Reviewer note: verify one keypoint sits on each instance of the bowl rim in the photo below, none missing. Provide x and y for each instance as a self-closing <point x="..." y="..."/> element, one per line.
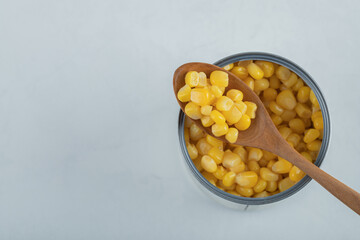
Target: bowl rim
<point x="324" y="146"/>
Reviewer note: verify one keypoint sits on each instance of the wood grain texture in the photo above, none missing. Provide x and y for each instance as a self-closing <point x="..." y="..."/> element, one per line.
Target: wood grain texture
<point x="263" y="134"/>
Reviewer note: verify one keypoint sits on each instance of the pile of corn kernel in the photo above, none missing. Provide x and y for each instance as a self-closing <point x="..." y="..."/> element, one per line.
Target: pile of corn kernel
<point x="207" y="103"/>
<point x="252" y="172"/>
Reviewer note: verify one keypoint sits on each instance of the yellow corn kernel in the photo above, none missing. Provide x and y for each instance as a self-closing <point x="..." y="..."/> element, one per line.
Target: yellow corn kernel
<point x="243" y="191"/>
<point x="217" y="117"/>
<point x="269" y="94"/>
<point x="232" y="135"/>
<point x="285" y="184"/>
<point x="281" y="166"/>
<point x="299" y="84"/>
<point x="313" y="99"/>
<point x="282" y="73"/>
<point x="234" y="193"/>
<point x="233" y="115"/>
<point x="208" y="164"/>
<point x="255" y="71"/>
<point x="251" y="109"/>
<point x="301" y="147"/>
<point x="294" y="138"/>
<point x="224" y="103"/>
<point x="297" y="125"/>
<point x="318" y="123"/>
<point x="286" y="99"/>
<point x="267" y="67"/>
<point x="203" y="146"/>
<point x="202" y="80"/>
<point x="200" y="96"/>
<point x="250" y="82"/>
<point x="311" y="135"/>
<point x="285" y="132"/>
<point x="184" y="93"/>
<point x="216" y="154"/>
<point x="262" y="162"/>
<point x="195" y="132"/>
<point x="207" y="121"/>
<point x="240" y="150"/>
<point x="283" y="87"/>
<point x="262" y="194"/>
<point x="274" y="82"/>
<point x="240" y="71"/>
<point x="197" y="163"/>
<point x="235" y="95"/>
<point x="261" y="84"/>
<point x="238" y="168"/>
<point x="307" y="122"/>
<point x="290" y="81"/>
<point x="314" y="145"/>
<point x="277" y="120"/>
<point x="186" y="135"/>
<point x="316" y="115"/>
<point x="193" y="110"/>
<point x="220" y="172"/>
<point x="193" y="152"/>
<point x="215" y="142"/>
<point x="192" y="78"/>
<point x="303" y="110"/>
<point x="271" y="186"/>
<point x="268" y="155"/>
<point x="254" y="166"/>
<point x="219" y="78"/>
<point x="247" y="179"/>
<point x="229" y="67"/>
<point x="296" y="174"/>
<point x="244" y="63"/>
<point x="268" y="175"/>
<point x="230" y="159"/>
<point x="275" y="108"/>
<point x="221" y="185"/>
<point x="217" y="91"/>
<point x="209" y="176"/>
<point x="219" y="129"/>
<point x="206" y="110"/>
<point x="303" y="94"/>
<point x="287" y="115"/>
<point x="260" y="185"/>
<point x="255" y="154"/>
<point x="241" y="106"/>
<point x="243" y="123"/>
<point x="229" y="179"/>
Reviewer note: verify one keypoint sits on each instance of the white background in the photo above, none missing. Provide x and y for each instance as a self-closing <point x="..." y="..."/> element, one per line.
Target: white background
<point x="88" y="120"/>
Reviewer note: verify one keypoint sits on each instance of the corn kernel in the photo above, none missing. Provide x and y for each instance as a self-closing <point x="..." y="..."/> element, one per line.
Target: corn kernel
<point x="277" y="120"/>
<point x="314" y="145"/>
<point x="216" y="154"/>
<point x="217" y="117"/>
<point x="275" y="108"/>
<point x="286" y="99"/>
<point x="192" y="78"/>
<point x="200" y="96"/>
<point x="247" y="179"/>
<point x="267" y="67"/>
<point x="207" y="121"/>
<point x="281" y="166"/>
<point x="285" y="184"/>
<point x="268" y="175"/>
<point x="316" y="115"/>
<point x="243" y="123"/>
<point x="262" y="194"/>
<point x="241" y="106"/>
<point x="219" y="78"/>
<point x="235" y="95"/>
<point x="260" y="185"/>
<point x="238" y="168"/>
<point x="301" y="147"/>
<point x="313" y="99"/>
<point x="208" y="164"/>
<point x="261" y="85"/>
<point x="233" y="193"/>
<point x="240" y="71"/>
<point x="296" y="174"/>
<point x="197" y="163"/>
<point x="220" y="172"/>
<point x="229" y="67"/>
<point x="232" y="135"/>
<point x="224" y="103"/>
<point x="219" y="129"/>
<point x="268" y="155"/>
<point x="193" y="111"/>
<point x="203" y="146"/>
<point x="232" y="116"/>
<point x="274" y="82"/>
<point x="240" y="150"/>
<point x="299" y="84"/>
<point x="184" y="93"/>
<point x="209" y="176"/>
<point x="250" y="82"/>
<point x="229" y="179"/>
<point x="217" y="91"/>
<point x="311" y="135"/>
<point x="254" y="166"/>
<point x="251" y="109"/>
<point x="269" y="94"/>
<point x="255" y="71"/>
<point x="206" y="110"/>
<point x="283" y="87"/>
<point x="294" y="138"/>
<point x="215" y="142"/>
<point x="288" y="115"/>
<point x="243" y="191"/>
<point x="255" y="154"/>
<point x="227" y="188"/>
<point x="193" y="152"/>
<point x="290" y="81"/>
<point x="297" y="125"/>
<point x="303" y="94"/>
<point x="285" y="132"/>
<point x="262" y="162"/>
<point x="231" y="159"/>
<point x="282" y="73"/>
<point x="303" y="110"/>
<point x="244" y="63"/>
<point x="318" y="123"/>
<point x="195" y="132"/>
<point x="271" y="186"/>
<point x="202" y="80"/>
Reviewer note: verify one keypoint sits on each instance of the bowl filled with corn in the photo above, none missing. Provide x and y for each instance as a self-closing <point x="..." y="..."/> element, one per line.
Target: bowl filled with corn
<point x="245" y="175"/>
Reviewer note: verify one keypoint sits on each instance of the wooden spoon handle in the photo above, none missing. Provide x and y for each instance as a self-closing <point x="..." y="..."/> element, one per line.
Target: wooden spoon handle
<point x="347" y="195"/>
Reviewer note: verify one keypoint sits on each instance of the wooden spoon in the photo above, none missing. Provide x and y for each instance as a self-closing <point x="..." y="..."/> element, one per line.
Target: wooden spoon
<point x="263" y="134"/>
